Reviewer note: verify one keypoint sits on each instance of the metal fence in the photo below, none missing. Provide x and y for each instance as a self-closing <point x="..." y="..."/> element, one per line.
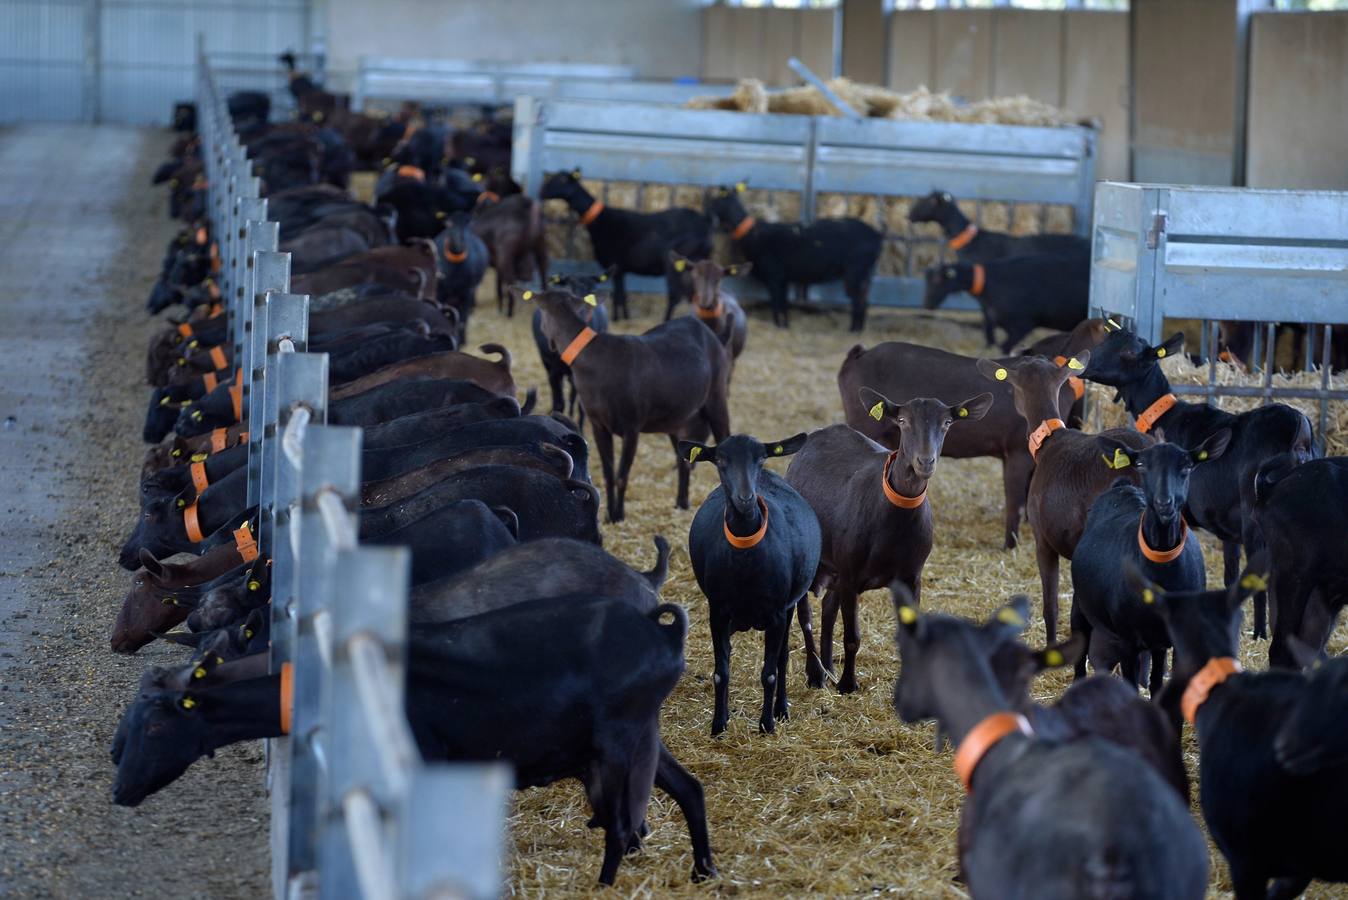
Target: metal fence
<point x="356" y="812"/>
<point x="1227" y="254"/>
<point x="811" y="155"/>
<point x="454" y="82"/>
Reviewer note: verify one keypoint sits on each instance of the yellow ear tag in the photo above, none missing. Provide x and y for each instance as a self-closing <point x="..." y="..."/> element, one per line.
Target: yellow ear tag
<point x="199" y="672"/>
<point x="1075" y="364"/>
<point x="1008" y="616"/>
<point x="590" y="299"/>
<point x="199" y="457"/>
<point x="1053" y="658"/>
<point x="603" y="278"/>
<point x="477" y="176"/>
<point x="1112" y="325"/>
<point x="254" y="585"/>
<point x="777" y="451"/>
<point x="1001" y="374"/>
<point x="878" y="410"/>
<point x="440" y="214"/>
<point x="1202" y="455"/>
<point x="1148" y="596"/>
<point x="680" y="265"/>
<point x="175" y="453"/>
<point x="1253" y="582"/>
<point x="1121" y="460"/>
<point x="164" y="401"/>
<point x="694" y="453"/>
<point x="1160" y="353"/>
<point x="741" y="187"/>
<point x="186" y="403"/>
<point x="182" y="503"/>
<point x="192" y="344"/>
<point x="188" y="703"/>
<point x="248" y="633"/>
<point x="964" y="412"/>
<point x="528" y="295"/>
<point x="907" y="615"/>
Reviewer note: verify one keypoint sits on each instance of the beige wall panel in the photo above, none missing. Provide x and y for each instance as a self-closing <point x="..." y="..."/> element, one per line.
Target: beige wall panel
<point x="964" y="53"/>
<point x="911" y="35"/>
<point x="1027" y="54"/>
<point x="781" y="38"/>
<point x="1095" y="83"/>
<point x="863" y="43"/>
<point x="1298" y="101"/>
<point x="815" y="44"/>
<point x="719" y="59"/>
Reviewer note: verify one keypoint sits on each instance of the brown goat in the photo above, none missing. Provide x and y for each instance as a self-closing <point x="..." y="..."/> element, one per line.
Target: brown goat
<point x="544" y="457"/>
<point x="410" y="269"/>
<point x="490" y="375"/>
<point x="896" y="369"/>
<point x="672" y="379"/>
<point x="873" y="511"/>
<point x="1069" y="472"/>
<point x="712" y="302"/>
<point x="512" y="229"/>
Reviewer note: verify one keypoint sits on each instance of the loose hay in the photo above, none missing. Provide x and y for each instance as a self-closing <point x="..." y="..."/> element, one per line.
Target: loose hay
<point x="843" y="800"/>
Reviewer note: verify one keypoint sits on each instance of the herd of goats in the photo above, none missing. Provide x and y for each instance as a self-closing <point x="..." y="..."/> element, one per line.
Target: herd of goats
<point x="1087" y="797"/>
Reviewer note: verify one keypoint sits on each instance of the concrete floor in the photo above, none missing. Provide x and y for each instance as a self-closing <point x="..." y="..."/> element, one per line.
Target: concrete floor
<point x="82" y="234"/>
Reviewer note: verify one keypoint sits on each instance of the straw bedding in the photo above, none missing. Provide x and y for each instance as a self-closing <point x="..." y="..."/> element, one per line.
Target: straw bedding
<point x="843" y="800"/>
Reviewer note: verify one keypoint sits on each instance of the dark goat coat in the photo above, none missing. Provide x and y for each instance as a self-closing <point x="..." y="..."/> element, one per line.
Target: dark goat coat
<point x="387" y="462"/>
<point x="404" y="397"/>
<point x="1021" y="293"/>
<point x="794" y="253"/>
<point x="635" y="242"/>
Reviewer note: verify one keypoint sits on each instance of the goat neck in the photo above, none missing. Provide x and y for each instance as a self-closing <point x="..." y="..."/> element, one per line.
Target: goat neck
<point x="1140" y="394"/>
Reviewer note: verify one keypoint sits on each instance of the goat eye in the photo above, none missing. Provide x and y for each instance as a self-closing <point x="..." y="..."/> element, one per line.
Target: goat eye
<point x="902" y="420"/>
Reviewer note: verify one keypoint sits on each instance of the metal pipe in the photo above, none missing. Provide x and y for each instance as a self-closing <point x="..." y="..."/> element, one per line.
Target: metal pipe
<point x="336" y="519"/>
<point x="292" y="441"/>
<point x="364" y="833"/>
<point x="322" y="622"/>
<point x="818" y="84"/>
<point x="389" y="732"/>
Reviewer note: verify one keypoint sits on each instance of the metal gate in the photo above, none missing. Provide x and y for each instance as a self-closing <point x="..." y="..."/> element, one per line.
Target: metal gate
<point x="129" y="61"/>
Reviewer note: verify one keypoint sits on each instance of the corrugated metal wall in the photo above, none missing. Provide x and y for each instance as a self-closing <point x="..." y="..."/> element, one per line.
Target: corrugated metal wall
<point x="130" y="60"/>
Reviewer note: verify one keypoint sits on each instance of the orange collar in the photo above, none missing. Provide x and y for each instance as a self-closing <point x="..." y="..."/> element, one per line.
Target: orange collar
<point x="982" y="738"/>
<point x="185" y="329"/>
<point x="455" y="257"/>
<point x="201" y="236"/>
<point x="1162" y="556"/>
<point x="219" y="439"/>
<point x="578" y="343"/>
<point x="215" y="310"/>
<point x="961" y="240"/>
<point x="1040" y="434"/>
<point x="1149" y="415"/>
<point x="592" y="213"/>
<point x="245" y="543"/>
<point x="415" y="172"/>
<point x="192" y="524"/>
<point x="287" y="696"/>
<point x="199" y="480"/>
<point x="210" y="380"/>
<point x="218" y="358"/>
<point x="236" y="398"/>
<point x="1078" y="386"/>
<point x="488" y="195"/>
<point x="714" y="313"/>
<point x="894" y="496"/>
<point x="1217" y="670"/>
<point x="745" y="226"/>
<point x="744" y="543"/>
<point x="980" y="278"/>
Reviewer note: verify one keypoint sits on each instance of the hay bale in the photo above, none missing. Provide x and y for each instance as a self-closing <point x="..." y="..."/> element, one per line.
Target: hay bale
<point x="992" y="215"/>
<point x="893" y="259"/>
<point x="1059" y="219"/>
<point x="1025" y="218"/>
<point x="749" y="96"/>
<point x="830" y="206"/>
<point x="786" y="206"/>
<point x="657" y="198"/>
<point x="688" y="196"/>
<point x="621" y="194"/>
<point x="924" y="256"/>
<point x="895" y="217"/>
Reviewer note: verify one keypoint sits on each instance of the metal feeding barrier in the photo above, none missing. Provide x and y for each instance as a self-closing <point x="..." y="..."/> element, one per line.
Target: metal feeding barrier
<point x="1236" y="255"/>
<point x="355" y="810"/>
<point x="810" y="155"/>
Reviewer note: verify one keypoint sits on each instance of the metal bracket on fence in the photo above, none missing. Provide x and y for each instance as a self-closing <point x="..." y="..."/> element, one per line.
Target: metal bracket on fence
<point x="830" y="96"/>
<point x="287" y="318"/>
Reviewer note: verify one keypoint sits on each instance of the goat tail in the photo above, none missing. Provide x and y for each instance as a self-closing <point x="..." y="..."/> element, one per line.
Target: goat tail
<point x="856" y="351"/>
<point x="1271" y="471"/>
<point x="500" y="351"/>
<point x="657" y="575"/>
<point x="673" y="621"/>
<point x="530" y="401"/>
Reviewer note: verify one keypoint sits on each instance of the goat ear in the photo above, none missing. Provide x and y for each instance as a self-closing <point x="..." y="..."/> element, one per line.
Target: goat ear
<point x="876" y="405"/>
<point x="1075" y="365"/>
<point x="739" y="270"/>
<point x="788" y="446"/>
<point x="1213" y="447"/>
<point x="1015" y="615"/>
<point x="607" y="275"/>
<point x="992" y="369"/>
<point x="1064" y="654"/>
<point x="973" y="409"/>
<point x="151" y="565"/>
<point x="693" y="452"/>
<point x="1115" y="454"/>
<point x="1172" y="345"/>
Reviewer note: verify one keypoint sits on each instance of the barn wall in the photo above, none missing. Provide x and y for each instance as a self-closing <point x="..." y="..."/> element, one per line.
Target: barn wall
<point x="662" y="38"/>
<point x="1077" y="60"/>
<point x="1298" y="106"/>
<point x="755" y="42"/>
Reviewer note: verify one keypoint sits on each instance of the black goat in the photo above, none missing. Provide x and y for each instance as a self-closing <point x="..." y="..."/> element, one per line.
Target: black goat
<point x="793" y="253"/>
<point x="461" y="260"/>
<point x="1145" y="525"/>
<point x="1043" y="819"/>
<point x="631" y="241"/>
<point x="754" y="545"/>
<point x="582" y="288"/>
<point x="1018" y="294"/>
<point x="1222" y="498"/>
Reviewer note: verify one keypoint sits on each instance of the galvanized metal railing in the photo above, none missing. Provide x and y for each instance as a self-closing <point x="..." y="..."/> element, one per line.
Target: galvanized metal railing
<point x="355" y="810"/>
<point x="1238" y="255"/>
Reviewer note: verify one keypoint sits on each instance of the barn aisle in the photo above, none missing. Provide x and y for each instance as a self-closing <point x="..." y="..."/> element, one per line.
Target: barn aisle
<point x="82" y="235"/>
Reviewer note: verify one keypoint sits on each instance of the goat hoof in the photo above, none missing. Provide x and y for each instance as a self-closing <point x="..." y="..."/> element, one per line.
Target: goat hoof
<point x="704" y="871"/>
<point x="814" y="680"/>
<point x="847" y="686"/>
<point x="1260" y="634"/>
<point x="767" y="726"/>
<point x="782" y="714"/>
<point x="717" y="728"/>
